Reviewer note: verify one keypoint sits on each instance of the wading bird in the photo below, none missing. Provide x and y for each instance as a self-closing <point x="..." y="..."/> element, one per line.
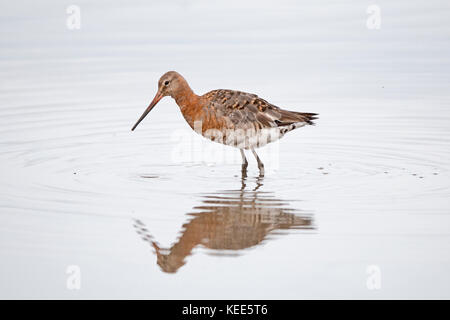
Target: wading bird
<point x="239" y="119"/>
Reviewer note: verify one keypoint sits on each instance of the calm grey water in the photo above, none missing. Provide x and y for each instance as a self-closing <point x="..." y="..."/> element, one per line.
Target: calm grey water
<point x="162" y="213"/>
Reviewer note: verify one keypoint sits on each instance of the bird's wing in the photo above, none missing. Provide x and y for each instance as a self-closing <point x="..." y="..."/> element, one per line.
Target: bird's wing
<point x="241" y="110"/>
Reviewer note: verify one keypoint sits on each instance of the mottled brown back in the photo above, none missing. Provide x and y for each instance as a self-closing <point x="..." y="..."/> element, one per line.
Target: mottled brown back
<point x="241" y="110"/>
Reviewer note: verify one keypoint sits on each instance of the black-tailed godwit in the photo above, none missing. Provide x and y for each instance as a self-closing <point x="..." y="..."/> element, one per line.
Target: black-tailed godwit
<point x="239" y="119"/>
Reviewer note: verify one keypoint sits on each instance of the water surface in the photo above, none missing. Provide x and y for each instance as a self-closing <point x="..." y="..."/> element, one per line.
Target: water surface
<point x="162" y="213"/>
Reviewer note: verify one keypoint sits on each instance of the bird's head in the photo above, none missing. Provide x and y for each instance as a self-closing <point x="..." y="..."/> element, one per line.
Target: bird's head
<point x="170" y="84"/>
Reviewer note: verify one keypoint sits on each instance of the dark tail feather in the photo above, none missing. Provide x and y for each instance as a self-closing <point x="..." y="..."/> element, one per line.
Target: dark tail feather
<point x="309" y="117"/>
<point x="289" y="117"/>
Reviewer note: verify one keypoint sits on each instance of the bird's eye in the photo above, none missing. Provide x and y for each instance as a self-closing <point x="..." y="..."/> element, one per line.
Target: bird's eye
<point x="166" y="82"/>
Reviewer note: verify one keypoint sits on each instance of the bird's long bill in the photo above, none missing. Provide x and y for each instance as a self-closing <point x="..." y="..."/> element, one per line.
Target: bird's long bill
<point x="149" y="108"/>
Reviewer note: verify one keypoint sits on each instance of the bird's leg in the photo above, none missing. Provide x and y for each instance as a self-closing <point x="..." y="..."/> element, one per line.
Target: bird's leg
<point x="260" y="164"/>
<point x="244" y="159"/>
<point x="244" y="163"/>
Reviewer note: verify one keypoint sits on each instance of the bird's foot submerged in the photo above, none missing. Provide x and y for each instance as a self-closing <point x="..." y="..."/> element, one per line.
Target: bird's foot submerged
<point x="245" y="163"/>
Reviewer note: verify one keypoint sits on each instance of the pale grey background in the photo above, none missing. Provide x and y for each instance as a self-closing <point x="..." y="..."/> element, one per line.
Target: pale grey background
<point x="69" y="98"/>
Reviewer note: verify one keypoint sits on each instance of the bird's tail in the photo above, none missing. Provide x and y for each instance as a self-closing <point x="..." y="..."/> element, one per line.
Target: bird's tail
<point x="309" y="117"/>
<point x="290" y="117"/>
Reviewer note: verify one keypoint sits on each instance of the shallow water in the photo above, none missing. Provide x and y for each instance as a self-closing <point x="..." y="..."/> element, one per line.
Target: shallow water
<point x="162" y="213"/>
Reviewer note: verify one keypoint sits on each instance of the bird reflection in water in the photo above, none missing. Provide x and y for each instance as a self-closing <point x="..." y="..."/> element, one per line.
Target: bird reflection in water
<point x="228" y="222"/>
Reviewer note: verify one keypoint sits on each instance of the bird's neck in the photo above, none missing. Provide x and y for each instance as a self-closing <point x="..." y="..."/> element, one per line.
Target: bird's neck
<point x="190" y="105"/>
<point x="186" y="98"/>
